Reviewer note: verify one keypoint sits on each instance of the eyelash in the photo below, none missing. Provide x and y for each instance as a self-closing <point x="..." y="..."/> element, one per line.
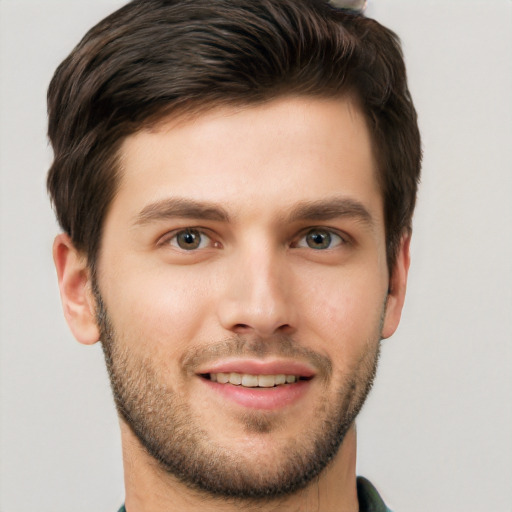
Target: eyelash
<point x="300" y="242"/>
<point x="168" y="238"/>
<point x="342" y="239"/>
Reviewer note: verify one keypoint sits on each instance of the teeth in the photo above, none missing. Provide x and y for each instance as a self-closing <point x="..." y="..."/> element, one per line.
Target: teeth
<point x="280" y="379"/>
<point x="266" y="381"/>
<point x="253" y="381"/>
<point x="249" y="381"/>
<point x="223" y="378"/>
<point x="235" y="378"/>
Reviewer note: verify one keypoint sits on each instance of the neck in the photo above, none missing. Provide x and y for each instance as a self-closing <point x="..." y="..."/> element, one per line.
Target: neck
<point x="148" y="488"/>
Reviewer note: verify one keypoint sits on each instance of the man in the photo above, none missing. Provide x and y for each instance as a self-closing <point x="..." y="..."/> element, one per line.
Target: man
<point x="235" y="181"/>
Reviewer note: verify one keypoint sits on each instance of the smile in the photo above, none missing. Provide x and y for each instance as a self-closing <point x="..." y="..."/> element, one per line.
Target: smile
<point x="253" y="381"/>
<point x="271" y="384"/>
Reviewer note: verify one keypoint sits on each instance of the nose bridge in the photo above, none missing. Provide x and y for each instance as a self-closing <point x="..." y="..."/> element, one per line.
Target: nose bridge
<point x="256" y="292"/>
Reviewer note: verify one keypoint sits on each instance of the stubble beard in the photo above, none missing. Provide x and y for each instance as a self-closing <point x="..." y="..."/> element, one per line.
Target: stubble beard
<point x="166" y="428"/>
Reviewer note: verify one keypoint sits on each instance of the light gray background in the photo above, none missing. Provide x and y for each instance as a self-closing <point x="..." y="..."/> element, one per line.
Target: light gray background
<point x="436" y="432"/>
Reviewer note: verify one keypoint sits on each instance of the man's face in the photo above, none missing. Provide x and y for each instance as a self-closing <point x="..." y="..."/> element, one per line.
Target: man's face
<point x="242" y="286"/>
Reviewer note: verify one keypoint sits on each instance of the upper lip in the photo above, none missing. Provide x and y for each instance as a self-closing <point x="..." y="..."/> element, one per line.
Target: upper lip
<point x="258" y="367"/>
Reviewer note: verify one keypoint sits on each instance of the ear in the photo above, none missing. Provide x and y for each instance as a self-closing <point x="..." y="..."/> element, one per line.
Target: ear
<point x="397" y="287"/>
<point x="75" y="290"/>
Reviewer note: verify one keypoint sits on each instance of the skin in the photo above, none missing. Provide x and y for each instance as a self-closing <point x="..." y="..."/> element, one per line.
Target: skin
<point x="253" y="276"/>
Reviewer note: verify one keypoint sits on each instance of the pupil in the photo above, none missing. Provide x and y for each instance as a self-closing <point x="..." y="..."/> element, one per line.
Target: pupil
<point x="319" y="240"/>
<point x="189" y="240"/>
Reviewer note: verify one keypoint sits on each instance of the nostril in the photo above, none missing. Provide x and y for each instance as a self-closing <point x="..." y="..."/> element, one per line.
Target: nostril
<point x="284" y="329"/>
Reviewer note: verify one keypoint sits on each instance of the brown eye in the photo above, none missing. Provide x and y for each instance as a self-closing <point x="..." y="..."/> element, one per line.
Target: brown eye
<point x="320" y="239"/>
<point x="190" y="239"/>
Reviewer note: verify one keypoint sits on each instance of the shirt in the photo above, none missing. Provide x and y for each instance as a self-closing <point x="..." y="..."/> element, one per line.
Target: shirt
<point x="369" y="498"/>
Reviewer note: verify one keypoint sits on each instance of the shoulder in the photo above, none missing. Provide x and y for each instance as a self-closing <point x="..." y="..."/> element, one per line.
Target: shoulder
<point x="369" y="498"/>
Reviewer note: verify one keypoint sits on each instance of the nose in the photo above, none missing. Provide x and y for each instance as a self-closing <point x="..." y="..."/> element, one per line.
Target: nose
<point x="258" y="295"/>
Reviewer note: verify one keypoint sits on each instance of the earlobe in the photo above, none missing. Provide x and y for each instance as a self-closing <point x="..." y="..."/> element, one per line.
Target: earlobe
<point x="397" y="288"/>
<point x="75" y="290"/>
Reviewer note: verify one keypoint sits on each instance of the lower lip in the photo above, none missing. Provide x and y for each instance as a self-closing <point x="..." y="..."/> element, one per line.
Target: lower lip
<point x="261" y="398"/>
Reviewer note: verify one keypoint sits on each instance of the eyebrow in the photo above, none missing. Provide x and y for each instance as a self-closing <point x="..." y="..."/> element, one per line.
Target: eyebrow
<point x="331" y="209"/>
<point x="180" y="207"/>
<point x="304" y="211"/>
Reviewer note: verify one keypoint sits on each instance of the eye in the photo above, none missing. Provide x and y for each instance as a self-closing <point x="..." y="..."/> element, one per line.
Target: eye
<point x="320" y="239"/>
<point x="190" y="239"/>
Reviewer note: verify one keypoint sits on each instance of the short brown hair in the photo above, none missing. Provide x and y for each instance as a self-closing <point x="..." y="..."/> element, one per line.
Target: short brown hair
<point x="152" y="58"/>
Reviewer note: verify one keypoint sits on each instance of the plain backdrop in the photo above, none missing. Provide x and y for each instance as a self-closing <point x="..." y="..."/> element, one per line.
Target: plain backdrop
<point x="436" y="432"/>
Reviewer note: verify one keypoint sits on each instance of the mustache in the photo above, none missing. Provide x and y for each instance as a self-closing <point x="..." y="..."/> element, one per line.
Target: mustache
<point x="282" y="345"/>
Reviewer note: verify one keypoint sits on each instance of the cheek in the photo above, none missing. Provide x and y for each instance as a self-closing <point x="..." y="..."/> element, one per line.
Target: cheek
<point x="345" y="309"/>
<point x="163" y="310"/>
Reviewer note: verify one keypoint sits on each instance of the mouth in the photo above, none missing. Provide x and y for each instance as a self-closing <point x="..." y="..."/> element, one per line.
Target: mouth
<point x="248" y="380"/>
<point x="258" y="385"/>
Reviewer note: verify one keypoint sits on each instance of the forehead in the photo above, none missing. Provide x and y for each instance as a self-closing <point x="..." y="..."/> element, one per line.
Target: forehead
<point x="253" y="158"/>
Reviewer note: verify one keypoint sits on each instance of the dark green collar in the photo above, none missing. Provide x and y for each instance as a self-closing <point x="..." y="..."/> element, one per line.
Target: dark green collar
<point x="369" y="498"/>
